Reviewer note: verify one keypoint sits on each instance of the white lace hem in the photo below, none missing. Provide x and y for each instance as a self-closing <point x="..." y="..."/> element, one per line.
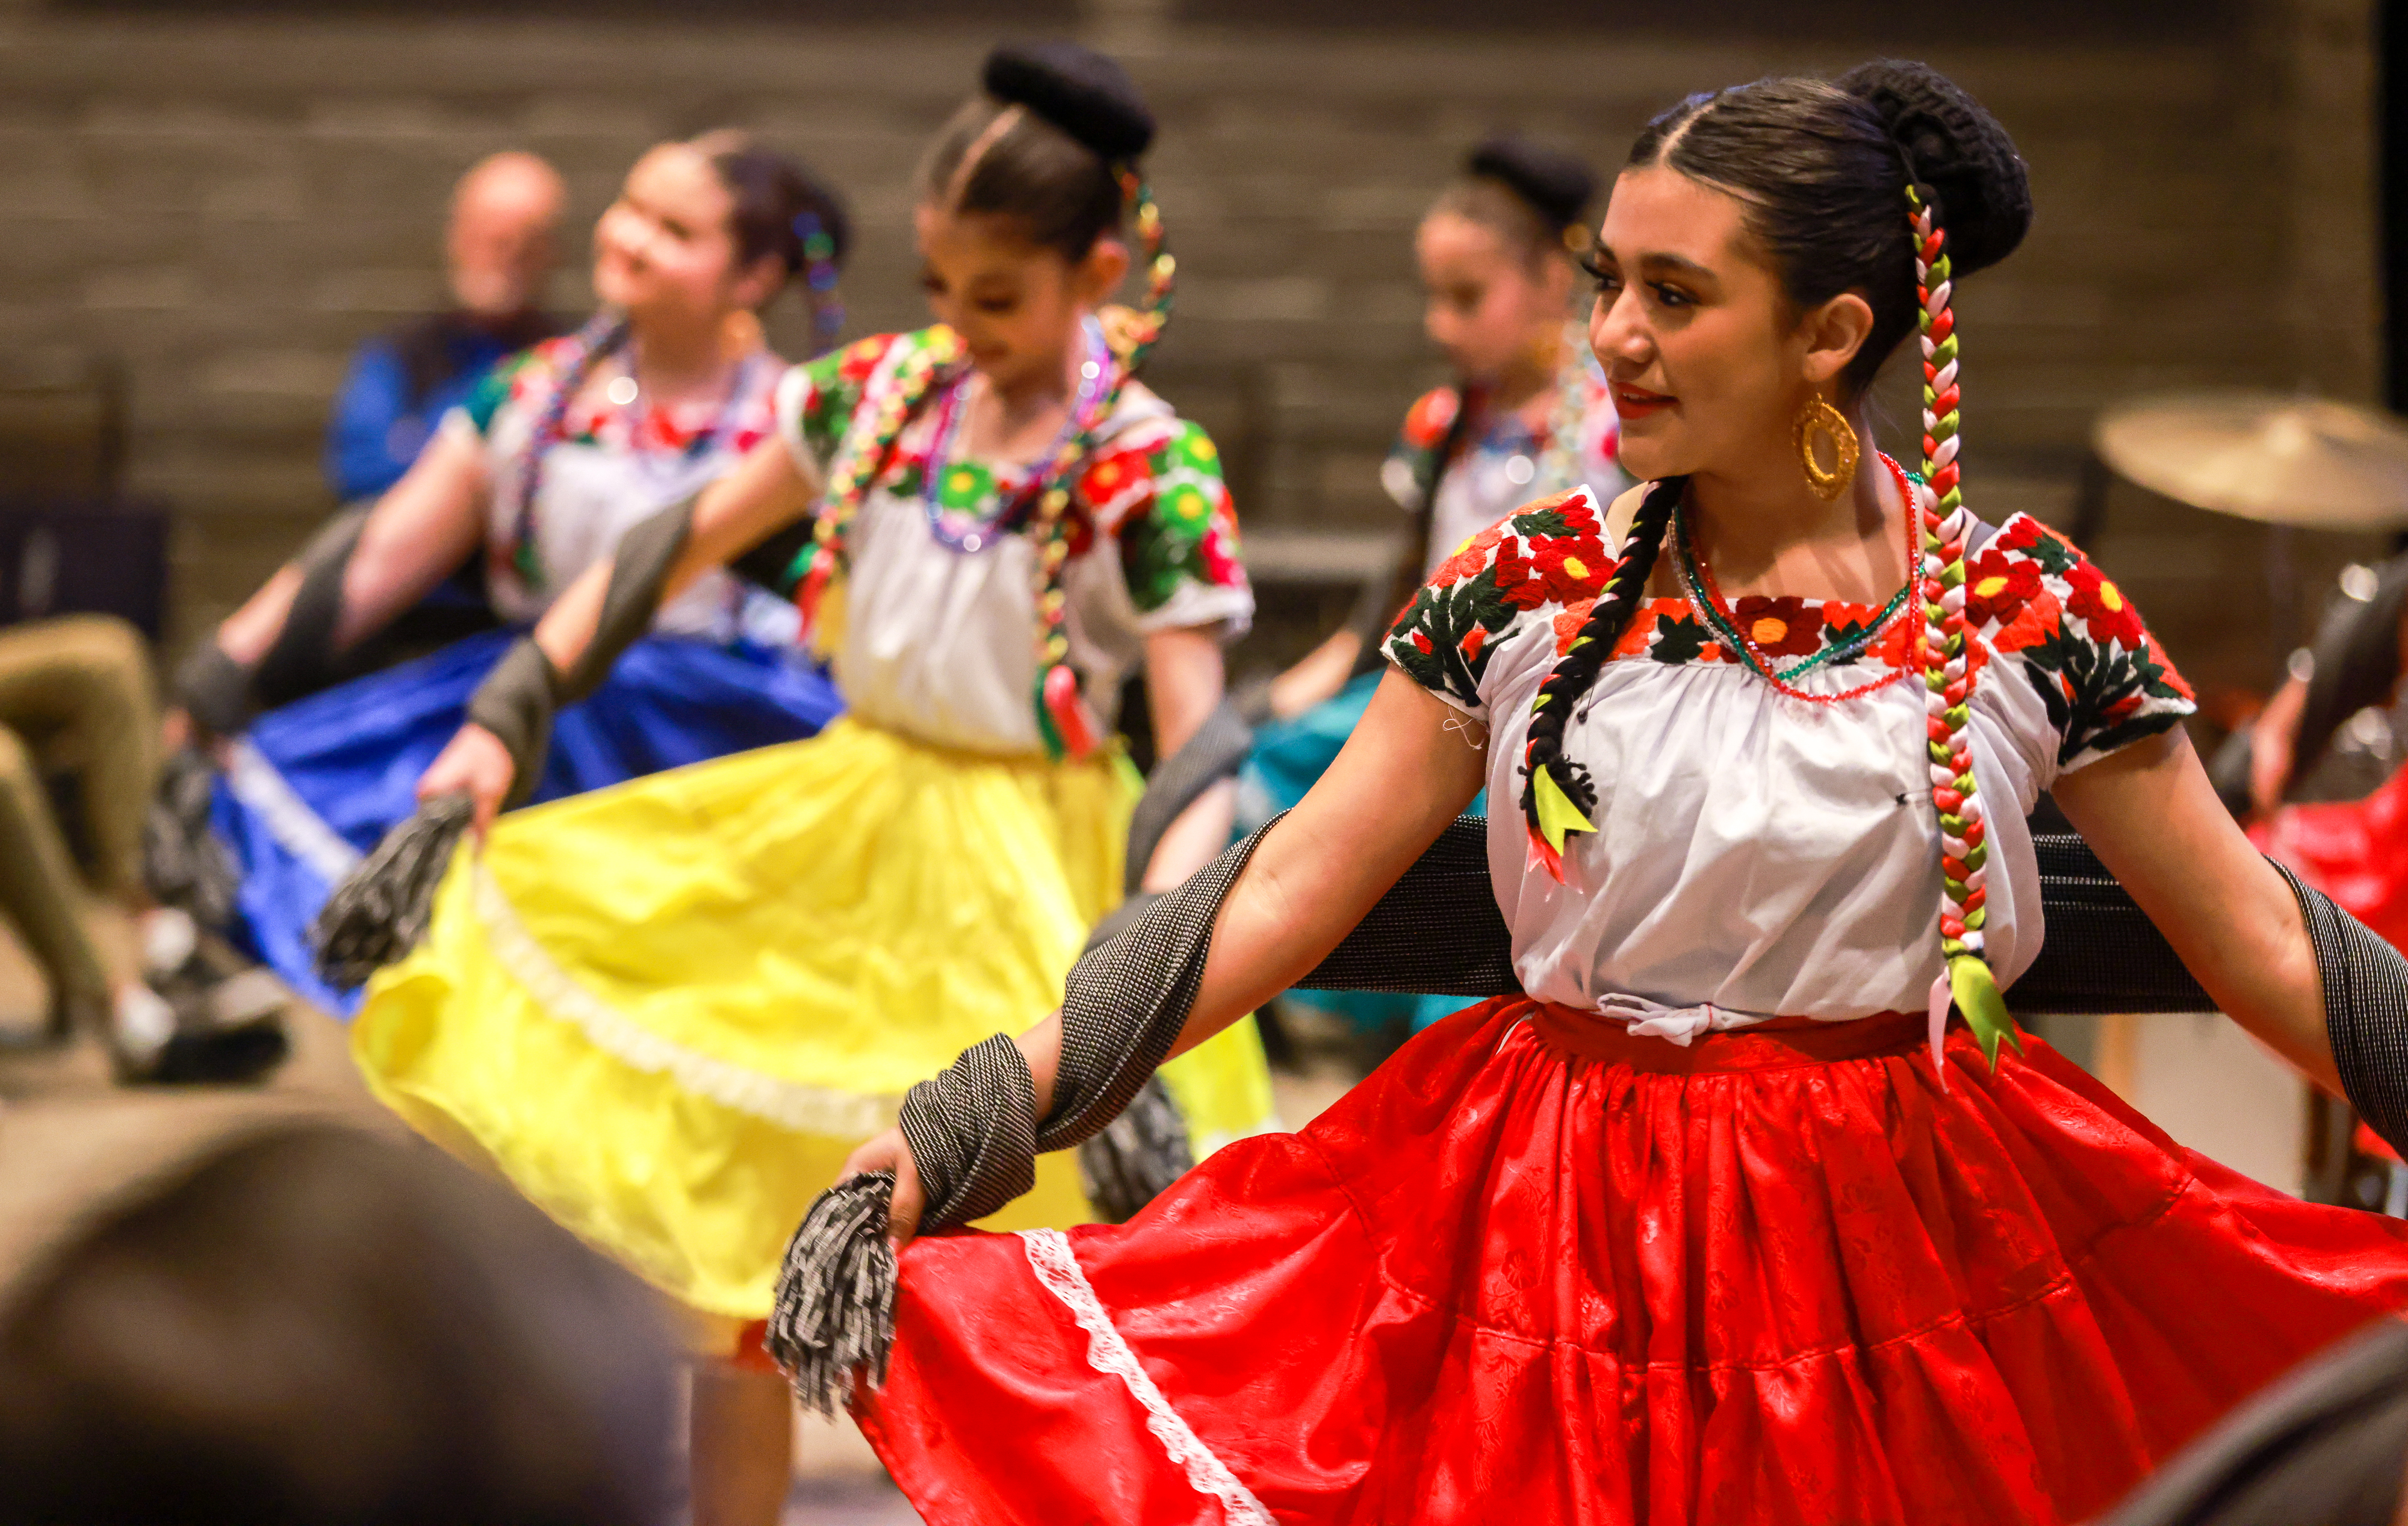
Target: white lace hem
<point x="1050" y="1257"/>
<point x="790" y="1104"/>
<point x="298" y="830"/>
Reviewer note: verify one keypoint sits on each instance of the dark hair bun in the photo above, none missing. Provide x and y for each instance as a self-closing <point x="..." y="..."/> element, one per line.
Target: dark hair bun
<point x="1557" y="185"/>
<point x="1957" y="153"/>
<point x="1078" y="90"/>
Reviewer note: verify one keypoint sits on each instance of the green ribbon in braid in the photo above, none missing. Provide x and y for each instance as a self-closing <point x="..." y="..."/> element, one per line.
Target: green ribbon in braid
<point x="1968" y="981"/>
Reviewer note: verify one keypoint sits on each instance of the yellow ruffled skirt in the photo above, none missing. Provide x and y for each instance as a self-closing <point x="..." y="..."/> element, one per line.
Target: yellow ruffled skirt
<point x="667" y="1011"/>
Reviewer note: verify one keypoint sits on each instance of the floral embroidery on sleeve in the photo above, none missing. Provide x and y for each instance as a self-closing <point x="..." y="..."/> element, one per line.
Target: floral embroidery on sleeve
<point x="1412" y="467"/>
<point x="1161" y="495"/>
<point x="1542" y="564"/>
<point x="833" y="389"/>
<point x="516" y="380"/>
<point x="2105" y="678"/>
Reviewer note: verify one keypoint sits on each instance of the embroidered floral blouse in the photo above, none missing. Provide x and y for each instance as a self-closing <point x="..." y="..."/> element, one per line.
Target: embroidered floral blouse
<point x="613" y="468"/>
<point x="1754" y="853"/>
<point x="939" y="640"/>
<point x="1503" y="463"/>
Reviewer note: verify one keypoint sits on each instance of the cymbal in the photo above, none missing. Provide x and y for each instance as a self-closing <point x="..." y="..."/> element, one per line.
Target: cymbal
<point x="2273" y="457"/>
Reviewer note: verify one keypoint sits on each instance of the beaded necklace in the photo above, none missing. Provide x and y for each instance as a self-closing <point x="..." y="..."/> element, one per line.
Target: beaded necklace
<point x="607" y="335"/>
<point x="1706" y="601"/>
<point x="1094" y="371"/>
<point x="602" y="335"/>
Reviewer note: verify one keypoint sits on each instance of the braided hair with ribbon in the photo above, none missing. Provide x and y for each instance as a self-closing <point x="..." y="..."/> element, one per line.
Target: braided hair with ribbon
<point x="1892" y="184"/>
<point x="1053" y="144"/>
<point x="781" y="211"/>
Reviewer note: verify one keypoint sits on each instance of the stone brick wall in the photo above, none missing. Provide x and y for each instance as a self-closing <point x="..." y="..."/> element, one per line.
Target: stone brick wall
<point x="226" y="203"/>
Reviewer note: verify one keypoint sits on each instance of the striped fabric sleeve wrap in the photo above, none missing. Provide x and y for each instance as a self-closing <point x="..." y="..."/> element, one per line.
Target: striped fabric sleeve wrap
<point x="1125" y="1002"/>
<point x="2365" y="983"/>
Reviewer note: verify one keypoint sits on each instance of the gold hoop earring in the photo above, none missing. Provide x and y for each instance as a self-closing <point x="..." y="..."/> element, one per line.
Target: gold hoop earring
<point x="1818" y="418"/>
<point x="740" y="334"/>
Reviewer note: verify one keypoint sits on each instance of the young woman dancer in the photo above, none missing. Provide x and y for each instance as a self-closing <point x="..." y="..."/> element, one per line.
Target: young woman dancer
<point x="555" y="456"/>
<point x="668" y="1011"/>
<point x="1529" y="416"/>
<point x="1716" y="1223"/>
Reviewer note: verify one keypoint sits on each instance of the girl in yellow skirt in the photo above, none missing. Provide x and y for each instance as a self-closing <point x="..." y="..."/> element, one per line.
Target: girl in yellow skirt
<point x="667" y="1011"/>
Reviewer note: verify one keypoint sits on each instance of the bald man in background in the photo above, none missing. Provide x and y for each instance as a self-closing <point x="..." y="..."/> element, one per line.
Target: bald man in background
<point x="501" y="249"/>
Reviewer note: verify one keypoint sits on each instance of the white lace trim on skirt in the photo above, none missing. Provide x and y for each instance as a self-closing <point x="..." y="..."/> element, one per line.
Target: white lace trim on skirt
<point x="298" y="830"/>
<point x="790" y="1104"/>
<point x="1050" y="1257"/>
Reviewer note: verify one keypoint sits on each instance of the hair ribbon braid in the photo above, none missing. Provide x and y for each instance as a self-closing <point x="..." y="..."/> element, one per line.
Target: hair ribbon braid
<point x="1557" y="794"/>
<point x="1946" y="660"/>
<point x="1065" y="722"/>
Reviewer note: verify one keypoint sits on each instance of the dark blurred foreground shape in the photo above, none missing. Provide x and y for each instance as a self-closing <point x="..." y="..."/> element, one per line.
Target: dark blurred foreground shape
<point x="239" y="1309"/>
<point x="2326" y="1446"/>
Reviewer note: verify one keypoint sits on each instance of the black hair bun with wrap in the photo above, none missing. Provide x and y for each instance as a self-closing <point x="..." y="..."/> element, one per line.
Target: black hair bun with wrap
<point x="1078" y="90"/>
<point x="1557" y="185"/>
<point x="1959" y="151"/>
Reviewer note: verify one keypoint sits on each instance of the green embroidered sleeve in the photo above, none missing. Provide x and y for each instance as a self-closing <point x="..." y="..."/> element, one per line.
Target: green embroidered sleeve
<point x="1180" y="534"/>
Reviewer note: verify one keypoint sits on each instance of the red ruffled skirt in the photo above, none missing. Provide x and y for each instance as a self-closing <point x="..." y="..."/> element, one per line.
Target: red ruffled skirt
<point x="2354" y="851"/>
<point x="1537" y="1271"/>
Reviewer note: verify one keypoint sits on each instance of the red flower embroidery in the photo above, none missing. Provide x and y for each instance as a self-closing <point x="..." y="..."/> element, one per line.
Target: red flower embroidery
<point x="1571" y="507"/>
<point x="1637" y="637"/>
<point x="1895" y="647"/>
<point x="2021" y="534"/>
<point x="860" y="358"/>
<point x="1473" y="640"/>
<point x="1104" y="478"/>
<point x="1572" y="568"/>
<point x="1222" y="567"/>
<point x="2102" y="608"/>
<point x="1468" y="561"/>
<point x="1569" y="620"/>
<point x="1517" y="582"/>
<point x="1428" y="421"/>
<point x="1996" y="588"/>
<point x="2035" y="622"/>
<point x="1783" y="627"/>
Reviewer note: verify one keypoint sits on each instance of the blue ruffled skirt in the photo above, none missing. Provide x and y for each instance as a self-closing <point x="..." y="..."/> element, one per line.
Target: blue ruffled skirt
<point x="1289" y="757"/>
<point x="314" y="785"/>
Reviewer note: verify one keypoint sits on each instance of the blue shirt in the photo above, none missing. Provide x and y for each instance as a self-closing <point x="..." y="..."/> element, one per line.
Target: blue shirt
<point x="384" y="414"/>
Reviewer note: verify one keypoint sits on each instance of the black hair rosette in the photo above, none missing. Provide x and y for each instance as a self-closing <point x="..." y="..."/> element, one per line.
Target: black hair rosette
<point x="1956" y="150"/>
<point x="1082" y="92"/>
<point x="1557" y="185"/>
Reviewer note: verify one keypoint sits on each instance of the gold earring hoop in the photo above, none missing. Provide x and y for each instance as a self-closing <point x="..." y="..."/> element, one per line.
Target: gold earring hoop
<point x="740" y="334"/>
<point x="1818" y="418"/>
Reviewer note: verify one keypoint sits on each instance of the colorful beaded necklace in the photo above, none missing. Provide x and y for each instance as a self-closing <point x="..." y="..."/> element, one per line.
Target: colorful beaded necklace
<point x="969" y="532"/>
<point x="1706" y="601"/>
<point x="588" y="349"/>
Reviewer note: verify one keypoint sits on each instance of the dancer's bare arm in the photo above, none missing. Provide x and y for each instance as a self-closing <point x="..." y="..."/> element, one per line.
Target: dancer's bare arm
<point x="2154" y="819"/>
<point x="1410" y="769"/>
<point x="425" y="525"/>
<point x="1184" y="679"/>
<point x="767" y="491"/>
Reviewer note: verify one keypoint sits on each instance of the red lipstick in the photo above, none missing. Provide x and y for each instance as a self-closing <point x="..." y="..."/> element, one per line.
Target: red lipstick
<point x="1638" y="402"/>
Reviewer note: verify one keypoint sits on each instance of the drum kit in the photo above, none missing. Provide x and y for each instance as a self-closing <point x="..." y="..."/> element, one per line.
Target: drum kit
<point x="2292" y="462"/>
<point x="2302" y="463"/>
